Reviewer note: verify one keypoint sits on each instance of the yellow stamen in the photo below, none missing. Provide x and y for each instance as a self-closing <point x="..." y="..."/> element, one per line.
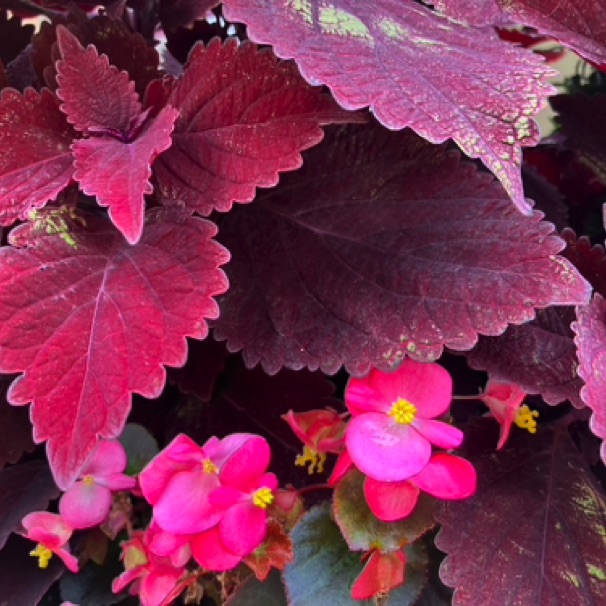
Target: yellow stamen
<point x="525" y="419"/>
<point x="210" y="467"/>
<point x="134" y="557"/>
<point x="315" y="459"/>
<point x="88" y="480"/>
<point x="44" y="554"/>
<point x="263" y="497"/>
<point x="403" y="411"/>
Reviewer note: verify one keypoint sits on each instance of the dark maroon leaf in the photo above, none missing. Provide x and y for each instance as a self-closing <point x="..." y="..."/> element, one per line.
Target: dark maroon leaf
<point x="383" y="245"/>
<point x="182" y="13"/>
<point x="24" y="488"/>
<point x="35" y="157"/>
<point x="16" y="431"/>
<point x="413" y="68"/>
<point x="590" y="329"/>
<point x="3" y="79"/>
<point x="540" y="356"/>
<point x="15" y="36"/>
<point x="587" y="258"/>
<point x="534" y="531"/>
<point x="545" y="196"/>
<point x="21" y="581"/>
<point x="578" y="25"/>
<point x="244" y="118"/>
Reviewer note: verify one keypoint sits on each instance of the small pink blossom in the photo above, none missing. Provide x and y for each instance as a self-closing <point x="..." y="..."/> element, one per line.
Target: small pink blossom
<point x="51" y="533"/>
<point x="382" y="572"/>
<point x="88" y="502"/>
<point x="392" y="431"/>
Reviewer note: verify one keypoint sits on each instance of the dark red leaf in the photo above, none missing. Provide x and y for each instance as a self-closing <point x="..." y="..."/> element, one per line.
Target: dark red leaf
<point x="96" y="96"/>
<point x="3" y="79"/>
<point x="587" y="258"/>
<point x="24" y="488"/>
<point x="534" y="531"/>
<point x="16" y="431"/>
<point x="102" y="319"/>
<point x="590" y="329"/>
<point x="578" y="25"/>
<point x="383" y="245"/>
<point x="540" y="356"/>
<point x="413" y="68"/>
<point x="35" y="157"/>
<point x="546" y="197"/>
<point x="276" y="551"/>
<point x="117" y="172"/>
<point x="244" y="118"/>
<point x="15" y="36"/>
<point x="182" y="13"/>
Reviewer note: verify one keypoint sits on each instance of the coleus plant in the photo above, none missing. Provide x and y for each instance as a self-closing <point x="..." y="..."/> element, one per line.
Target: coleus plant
<point x="270" y="209"/>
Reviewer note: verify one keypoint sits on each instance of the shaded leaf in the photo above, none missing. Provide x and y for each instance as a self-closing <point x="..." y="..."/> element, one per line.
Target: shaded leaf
<point x="252" y="592"/>
<point x="140" y="446"/>
<point x="415" y="69"/>
<point x="590" y="329"/>
<point x="244" y="118"/>
<point x="103" y="318"/>
<point x="182" y="13"/>
<point x="24" y="488"/>
<point x="35" y="156"/>
<point x="534" y="531"/>
<point x="383" y="245"/>
<point x="16" y="431"/>
<point x="587" y="258"/>
<point x="15" y="36"/>
<point x="545" y="196"/>
<point x="540" y="356"/>
<point x="363" y="531"/>
<point x="93" y="584"/>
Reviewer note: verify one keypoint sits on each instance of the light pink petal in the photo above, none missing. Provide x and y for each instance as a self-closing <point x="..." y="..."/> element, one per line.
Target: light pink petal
<point x="243" y="528"/>
<point x="439" y="434"/>
<point x="269" y="480"/>
<point x="506" y="422"/>
<point x="127" y="577"/>
<point x="225" y="496"/>
<point x="447" y="477"/>
<point x="385" y="450"/>
<point x="218" y="451"/>
<point x="210" y="553"/>
<point x="109" y="457"/>
<point x="44" y="523"/>
<point x="155" y="587"/>
<point x="390" y="501"/>
<point x="245" y="466"/>
<point x="361" y="397"/>
<point x="183" y="507"/>
<point x="68" y="559"/>
<point x="162" y="543"/>
<point x="342" y="466"/>
<point x="83" y="506"/>
<point x="183" y="450"/>
<point x="117" y="482"/>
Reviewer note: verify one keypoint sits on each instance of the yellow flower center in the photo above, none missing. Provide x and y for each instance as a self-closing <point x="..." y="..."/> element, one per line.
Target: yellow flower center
<point x="209" y="466"/>
<point x="403" y="411"/>
<point x="44" y="554"/>
<point x="525" y="419"/>
<point x="88" y="480"/>
<point x="263" y="497"/>
<point x="134" y="557"/>
<point x="315" y="459"/>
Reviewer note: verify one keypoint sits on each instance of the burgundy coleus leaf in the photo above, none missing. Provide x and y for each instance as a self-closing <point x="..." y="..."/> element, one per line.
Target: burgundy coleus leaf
<point x="579" y="25"/>
<point x="413" y="68"/>
<point x="36" y="162"/>
<point x="590" y="329"/>
<point x="15" y="36"/>
<point x="534" y="531"/>
<point x="183" y="13"/>
<point x="588" y="258"/>
<point x="381" y="246"/>
<point x="102" y="317"/>
<point x="244" y="118"/>
<point x="540" y="356"/>
<point x="16" y="430"/>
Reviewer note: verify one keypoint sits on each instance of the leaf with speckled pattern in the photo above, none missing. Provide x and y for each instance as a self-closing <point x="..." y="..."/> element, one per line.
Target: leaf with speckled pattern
<point x="413" y="68"/>
<point x="534" y="533"/>
<point x="381" y="245"/>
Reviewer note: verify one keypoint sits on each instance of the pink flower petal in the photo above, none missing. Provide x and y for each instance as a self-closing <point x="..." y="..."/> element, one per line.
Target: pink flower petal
<point x="68" y="559"/>
<point x="245" y="466"/>
<point x="210" y="553"/>
<point x="381" y="573"/>
<point x="156" y="587"/>
<point x="117" y="482"/>
<point x="390" y="501"/>
<point x="83" y="506"/>
<point x="108" y="458"/>
<point x="438" y="433"/>
<point x="218" y="451"/>
<point x="45" y="524"/>
<point x="243" y="528"/>
<point x="361" y="397"/>
<point x="447" y="477"/>
<point x="225" y="496"/>
<point x="385" y="450"/>
<point x="342" y="466"/>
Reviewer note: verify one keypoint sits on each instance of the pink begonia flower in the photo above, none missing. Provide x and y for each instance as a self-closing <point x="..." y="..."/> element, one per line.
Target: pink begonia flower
<point x="51" y="533"/>
<point x="245" y="493"/>
<point x="390" y="436"/>
<point x="210" y="552"/>
<point x="154" y="577"/>
<point x="504" y="399"/>
<point x="321" y="431"/>
<point x="178" y="480"/>
<point x="88" y="501"/>
<point x="382" y="572"/>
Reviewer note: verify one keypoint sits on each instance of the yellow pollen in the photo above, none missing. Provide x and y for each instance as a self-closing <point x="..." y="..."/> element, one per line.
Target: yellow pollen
<point x="525" y="419"/>
<point x="44" y="554"/>
<point x="209" y="467"/>
<point x="315" y="459"/>
<point x="88" y="480"/>
<point x="134" y="557"/>
<point x="263" y="497"/>
<point x="403" y="411"/>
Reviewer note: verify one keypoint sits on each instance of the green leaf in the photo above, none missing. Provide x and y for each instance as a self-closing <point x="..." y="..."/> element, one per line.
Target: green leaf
<point x="140" y="446"/>
<point x="253" y="592"/>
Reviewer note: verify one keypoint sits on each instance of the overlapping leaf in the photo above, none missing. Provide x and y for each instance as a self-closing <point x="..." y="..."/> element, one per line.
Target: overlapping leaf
<point x="244" y="118"/>
<point x="540" y="356"/>
<point x="182" y="13"/>
<point x="590" y="329"/>
<point x="534" y="531"/>
<point x="16" y="431"/>
<point x="413" y="68"/>
<point x="383" y="245"/>
<point x="35" y="158"/>
<point x="588" y="258"/>
<point x="579" y="25"/>
<point x="102" y="318"/>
